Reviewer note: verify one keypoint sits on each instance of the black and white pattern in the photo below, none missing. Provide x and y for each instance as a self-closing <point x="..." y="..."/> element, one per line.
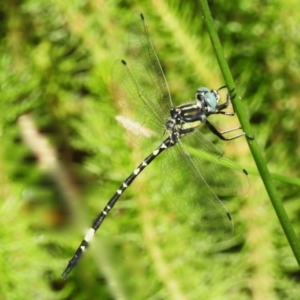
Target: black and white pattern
<point x="142" y="95"/>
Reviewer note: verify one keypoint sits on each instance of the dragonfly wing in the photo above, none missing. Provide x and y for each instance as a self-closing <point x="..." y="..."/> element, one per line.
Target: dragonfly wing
<point x="139" y="85"/>
<point x="146" y="67"/>
<point x="225" y="177"/>
<point x="133" y="105"/>
<point x="185" y="186"/>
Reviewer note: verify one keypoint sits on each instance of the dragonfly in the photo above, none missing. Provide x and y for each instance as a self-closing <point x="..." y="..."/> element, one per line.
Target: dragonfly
<point x="194" y="172"/>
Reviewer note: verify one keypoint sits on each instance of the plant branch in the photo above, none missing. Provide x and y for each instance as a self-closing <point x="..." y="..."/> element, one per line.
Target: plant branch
<point x="254" y="148"/>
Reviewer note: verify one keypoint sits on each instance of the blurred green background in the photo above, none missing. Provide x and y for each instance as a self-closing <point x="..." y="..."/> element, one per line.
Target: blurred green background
<point x="63" y="154"/>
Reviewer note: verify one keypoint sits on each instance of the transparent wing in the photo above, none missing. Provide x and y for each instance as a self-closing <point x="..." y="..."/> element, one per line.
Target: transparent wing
<point x="224" y="177"/>
<point x="139" y="86"/>
<point x="134" y="106"/>
<point x="187" y="188"/>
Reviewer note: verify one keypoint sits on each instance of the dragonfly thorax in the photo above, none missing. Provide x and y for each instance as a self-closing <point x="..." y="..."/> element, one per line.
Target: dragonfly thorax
<point x="183" y="120"/>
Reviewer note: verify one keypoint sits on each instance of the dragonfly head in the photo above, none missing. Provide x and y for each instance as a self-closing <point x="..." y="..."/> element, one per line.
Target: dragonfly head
<point x="208" y="99"/>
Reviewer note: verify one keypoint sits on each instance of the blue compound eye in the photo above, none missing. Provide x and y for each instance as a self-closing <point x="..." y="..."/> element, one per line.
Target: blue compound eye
<point x="209" y="97"/>
<point x="203" y="90"/>
<point x="211" y="100"/>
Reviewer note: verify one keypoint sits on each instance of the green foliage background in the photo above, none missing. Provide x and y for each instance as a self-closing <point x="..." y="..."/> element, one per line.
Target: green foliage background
<point x="63" y="154"/>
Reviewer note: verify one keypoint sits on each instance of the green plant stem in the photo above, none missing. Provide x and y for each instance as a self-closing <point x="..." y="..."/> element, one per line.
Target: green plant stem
<point x="256" y="153"/>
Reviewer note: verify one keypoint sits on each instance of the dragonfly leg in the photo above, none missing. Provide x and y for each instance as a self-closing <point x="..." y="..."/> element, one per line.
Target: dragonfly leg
<point x="219" y="110"/>
<point x="220" y="134"/>
<point x="221" y="107"/>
